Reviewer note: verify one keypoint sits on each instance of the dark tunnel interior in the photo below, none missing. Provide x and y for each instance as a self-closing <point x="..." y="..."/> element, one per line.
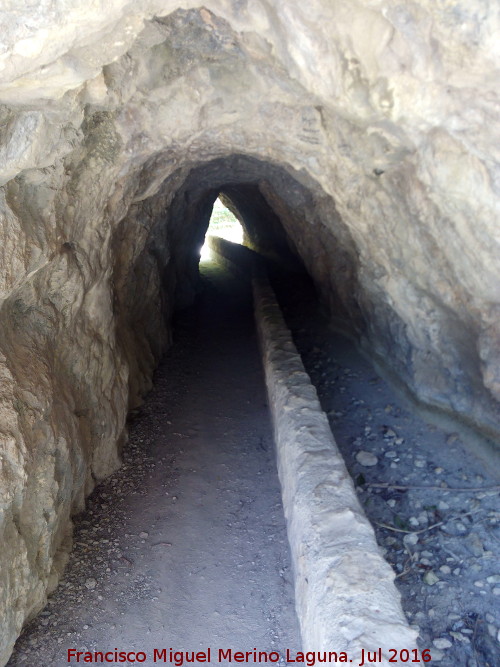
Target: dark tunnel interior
<point x="297" y="442"/>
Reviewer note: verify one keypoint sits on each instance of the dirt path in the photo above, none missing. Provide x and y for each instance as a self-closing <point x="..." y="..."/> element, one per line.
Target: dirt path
<point x="185" y="547"/>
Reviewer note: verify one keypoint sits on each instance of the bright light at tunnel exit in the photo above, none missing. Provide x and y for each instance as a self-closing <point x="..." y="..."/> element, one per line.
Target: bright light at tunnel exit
<point x="224" y="224"/>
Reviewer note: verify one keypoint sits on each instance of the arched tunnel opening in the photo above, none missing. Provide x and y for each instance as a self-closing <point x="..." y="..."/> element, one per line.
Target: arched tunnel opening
<point x="223" y="224"/>
<point x="186" y="544"/>
<point x="293" y="447"/>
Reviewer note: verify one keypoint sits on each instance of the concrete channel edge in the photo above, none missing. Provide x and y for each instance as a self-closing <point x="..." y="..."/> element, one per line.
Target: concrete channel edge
<point x="345" y="596"/>
<point x="346" y="599"/>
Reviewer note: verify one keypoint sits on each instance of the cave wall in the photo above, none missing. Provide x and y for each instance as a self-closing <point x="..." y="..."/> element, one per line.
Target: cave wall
<point x="368" y="128"/>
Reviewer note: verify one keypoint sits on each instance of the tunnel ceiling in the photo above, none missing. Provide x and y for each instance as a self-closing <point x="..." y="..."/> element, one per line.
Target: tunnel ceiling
<point x="361" y="136"/>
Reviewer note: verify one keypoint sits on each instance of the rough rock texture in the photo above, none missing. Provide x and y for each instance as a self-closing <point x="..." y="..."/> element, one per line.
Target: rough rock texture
<point x="366" y="128"/>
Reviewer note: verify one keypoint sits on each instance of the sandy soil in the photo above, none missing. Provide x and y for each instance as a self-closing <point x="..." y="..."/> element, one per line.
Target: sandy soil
<point x="185" y="546"/>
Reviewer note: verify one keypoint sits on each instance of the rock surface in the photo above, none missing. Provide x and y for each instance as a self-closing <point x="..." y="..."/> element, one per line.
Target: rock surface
<point x="367" y="130"/>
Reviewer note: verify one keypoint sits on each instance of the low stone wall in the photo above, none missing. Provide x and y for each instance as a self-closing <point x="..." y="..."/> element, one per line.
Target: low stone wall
<point x="235" y="257"/>
<point x="345" y="594"/>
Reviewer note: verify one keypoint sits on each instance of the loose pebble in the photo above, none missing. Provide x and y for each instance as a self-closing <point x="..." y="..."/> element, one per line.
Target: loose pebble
<point x="430" y="578"/>
<point x="474" y="544"/>
<point x="366" y="459"/>
<point x="410" y="539"/>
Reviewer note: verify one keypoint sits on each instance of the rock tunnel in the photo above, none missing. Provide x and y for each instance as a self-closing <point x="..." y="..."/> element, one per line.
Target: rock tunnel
<point x="357" y="140"/>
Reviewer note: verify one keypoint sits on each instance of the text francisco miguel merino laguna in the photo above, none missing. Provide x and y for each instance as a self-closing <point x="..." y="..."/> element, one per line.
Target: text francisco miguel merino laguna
<point x="186" y="658"/>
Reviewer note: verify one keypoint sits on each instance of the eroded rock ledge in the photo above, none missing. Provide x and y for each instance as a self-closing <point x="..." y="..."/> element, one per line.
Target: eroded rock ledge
<point x="362" y="133"/>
